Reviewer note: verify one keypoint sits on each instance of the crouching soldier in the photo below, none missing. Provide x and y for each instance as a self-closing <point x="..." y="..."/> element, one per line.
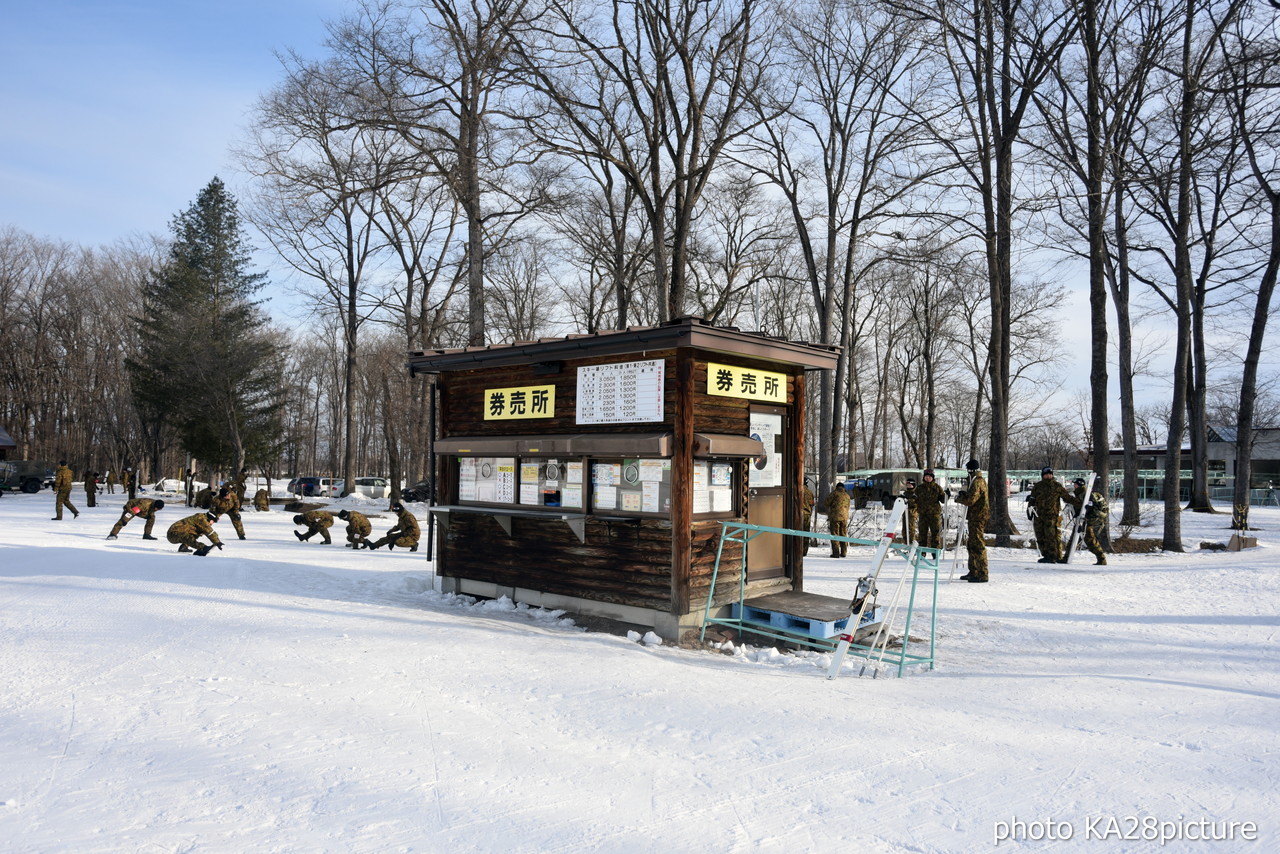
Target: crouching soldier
<point x="261" y="501"/>
<point x="317" y="522"/>
<point x="187" y="532"/>
<point x="204" y="498"/>
<point x="144" y="507"/>
<point x="358" y="527"/>
<point x="227" y="504"/>
<point x="404" y="533"/>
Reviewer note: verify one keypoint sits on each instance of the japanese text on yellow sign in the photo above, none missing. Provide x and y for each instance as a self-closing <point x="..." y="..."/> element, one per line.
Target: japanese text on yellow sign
<point x="728" y="381"/>
<point x="535" y="401"/>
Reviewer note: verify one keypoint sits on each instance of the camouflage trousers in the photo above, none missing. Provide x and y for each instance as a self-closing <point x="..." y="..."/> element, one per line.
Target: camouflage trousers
<point x="316" y="528"/>
<point x="1093" y="544"/>
<point x="930" y="530"/>
<point x="838" y="528"/>
<point x="63" y="499"/>
<point x="1048" y="537"/>
<point x="124" y="520"/>
<point x="977" y="547"/>
<point x="394" y="540"/>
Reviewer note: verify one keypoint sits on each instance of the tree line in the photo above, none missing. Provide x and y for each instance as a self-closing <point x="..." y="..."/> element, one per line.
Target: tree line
<point x="909" y="179"/>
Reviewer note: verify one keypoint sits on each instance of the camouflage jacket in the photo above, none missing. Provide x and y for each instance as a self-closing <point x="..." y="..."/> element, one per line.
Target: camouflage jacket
<point x="929" y="499"/>
<point x="406" y="526"/>
<point x="195" y="525"/>
<point x="144" y="507"/>
<point x="62" y="479"/>
<point x="223" y="504"/>
<point x="1047" y="496"/>
<point x="359" y="523"/>
<point x="323" y="518"/>
<point x="974" y="496"/>
<point x="838" y="505"/>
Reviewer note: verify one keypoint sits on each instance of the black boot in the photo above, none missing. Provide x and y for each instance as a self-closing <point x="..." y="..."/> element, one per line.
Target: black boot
<point x="301" y="538"/>
<point x="145" y="537"/>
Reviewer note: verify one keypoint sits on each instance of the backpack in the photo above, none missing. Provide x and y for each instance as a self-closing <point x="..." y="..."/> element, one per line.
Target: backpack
<point x="1098" y="508"/>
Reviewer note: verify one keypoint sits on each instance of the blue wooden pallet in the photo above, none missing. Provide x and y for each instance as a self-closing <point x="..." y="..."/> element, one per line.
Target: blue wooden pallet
<point x="807" y="626"/>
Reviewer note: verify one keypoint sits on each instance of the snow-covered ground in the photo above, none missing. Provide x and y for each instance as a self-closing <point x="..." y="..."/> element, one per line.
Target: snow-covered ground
<point x="290" y="697"/>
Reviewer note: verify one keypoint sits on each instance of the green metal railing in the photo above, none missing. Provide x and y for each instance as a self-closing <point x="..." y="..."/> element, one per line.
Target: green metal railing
<point x="918" y="559"/>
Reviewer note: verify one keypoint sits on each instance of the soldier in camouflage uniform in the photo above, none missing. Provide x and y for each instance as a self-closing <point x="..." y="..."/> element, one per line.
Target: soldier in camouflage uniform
<point x="130" y="482"/>
<point x="909" y="520"/>
<point x="111" y="482"/>
<point x="240" y="483"/>
<point x="91" y="488"/>
<point x="1095" y="516"/>
<point x="262" y="500"/>
<point x="204" y="498"/>
<point x="144" y="507"/>
<point x="62" y="492"/>
<point x="974" y="496"/>
<point x="806" y="511"/>
<point x="225" y="503"/>
<point x="187" y="532"/>
<point x="1044" y="508"/>
<point x="358" y="527"/>
<point x="929" y="500"/>
<point x="837" y="508"/>
<point x="405" y="533"/>
<point x="317" y="522"/>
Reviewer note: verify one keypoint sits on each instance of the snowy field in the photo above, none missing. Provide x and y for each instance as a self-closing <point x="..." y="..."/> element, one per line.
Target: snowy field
<point x="278" y="696"/>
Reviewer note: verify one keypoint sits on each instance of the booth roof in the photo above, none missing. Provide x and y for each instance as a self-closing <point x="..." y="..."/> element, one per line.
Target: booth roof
<point x="680" y="332"/>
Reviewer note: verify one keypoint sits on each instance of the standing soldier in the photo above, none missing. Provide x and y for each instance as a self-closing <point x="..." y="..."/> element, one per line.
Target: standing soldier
<point x="1044" y="508"/>
<point x="62" y="492"/>
<point x="240" y="483"/>
<point x="358" y="527"/>
<point x="130" y="482"/>
<point x="227" y="504"/>
<point x="929" y="500"/>
<point x="974" y="496"/>
<point x="806" y="511"/>
<point x="317" y="522"/>
<point x="837" y="508"/>
<point x="1095" y="516"/>
<point x="144" y="507"/>
<point x="403" y="533"/>
<point x="91" y="488"/>
<point x="186" y="533"/>
<point x="111" y="482"/>
<point x="262" y="500"/>
<point x="909" y="495"/>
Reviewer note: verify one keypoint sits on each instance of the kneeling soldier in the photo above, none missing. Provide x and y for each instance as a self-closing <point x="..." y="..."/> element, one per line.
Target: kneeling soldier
<point x="187" y="532"/>
<point x="226" y="503"/>
<point x="144" y="507"/>
<point x="317" y="522"/>
<point x="404" y="533"/>
<point x="358" y="527"/>
<point x="262" y="501"/>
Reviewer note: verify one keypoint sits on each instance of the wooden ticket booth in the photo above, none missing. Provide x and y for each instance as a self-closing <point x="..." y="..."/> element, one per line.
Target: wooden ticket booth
<point x="591" y="473"/>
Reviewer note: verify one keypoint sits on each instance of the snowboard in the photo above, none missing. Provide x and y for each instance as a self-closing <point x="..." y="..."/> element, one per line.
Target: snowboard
<point x="1077" y="524"/>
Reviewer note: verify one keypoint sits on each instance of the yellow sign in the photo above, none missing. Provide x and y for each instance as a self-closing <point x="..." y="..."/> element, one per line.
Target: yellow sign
<point x="729" y="381"/>
<point x="534" y="401"/>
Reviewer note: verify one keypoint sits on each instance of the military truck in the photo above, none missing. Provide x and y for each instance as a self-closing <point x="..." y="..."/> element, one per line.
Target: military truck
<point x="25" y="475"/>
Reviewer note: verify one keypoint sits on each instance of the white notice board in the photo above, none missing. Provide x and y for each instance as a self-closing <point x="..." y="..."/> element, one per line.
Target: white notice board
<point x="623" y="393"/>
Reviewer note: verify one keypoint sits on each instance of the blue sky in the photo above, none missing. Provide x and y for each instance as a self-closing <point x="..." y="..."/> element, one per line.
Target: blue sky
<point x="113" y="115"/>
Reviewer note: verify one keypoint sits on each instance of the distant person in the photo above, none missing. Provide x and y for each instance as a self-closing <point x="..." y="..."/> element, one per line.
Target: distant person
<point x="204" y="497"/>
<point x="1044" y="508"/>
<point x="62" y="492"/>
<point x="317" y="522"/>
<point x="909" y="522"/>
<point x="262" y="501"/>
<point x="405" y="533"/>
<point x="240" y="483"/>
<point x="806" y="511"/>
<point x="929" y="500"/>
<point x="91" y="488"/>
<point x="130" y="482"/>
<point x="974" y="496"/>
<point x="358" y="527"/>
<point x="837" y="507"/>
<point x="187" y="532"/>
<point x="111" y="482"/>
<point x="1095" y="518"/>
<point x="144" y="507"/>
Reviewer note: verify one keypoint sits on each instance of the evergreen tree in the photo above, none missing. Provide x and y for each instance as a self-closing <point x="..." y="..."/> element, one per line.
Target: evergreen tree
<point x="206" y="366"/>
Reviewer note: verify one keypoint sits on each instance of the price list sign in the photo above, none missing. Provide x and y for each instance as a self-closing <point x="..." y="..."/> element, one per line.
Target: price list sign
<point x="622" y="393"/>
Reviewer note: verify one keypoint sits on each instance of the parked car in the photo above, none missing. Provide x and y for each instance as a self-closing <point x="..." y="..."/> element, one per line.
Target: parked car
<point x="307" y="487"/>
<point x="420" y="491"/>
<point x="331" y="486"/>
<point x="373" y="487"/>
